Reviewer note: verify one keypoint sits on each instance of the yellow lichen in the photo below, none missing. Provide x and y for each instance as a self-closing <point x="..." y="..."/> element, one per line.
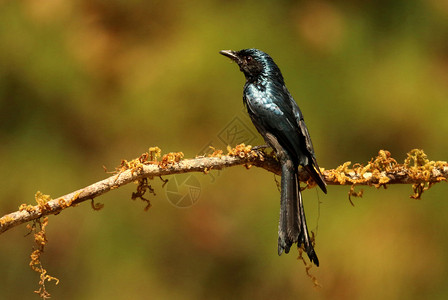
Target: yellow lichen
<point x="171" y="158"/>
<point x="240" y="150"/>
<point x="154" y="153"/>
<point x="352" y="193"/>
<point x="6" y="219"/>
<point x="421" y="168"/>
<point x="62" y="203"/>
<point x="36" y="265"/>
<point x="383" y="162"/>
<point x="23" y="206"/>
<point x="75" y="197"/>
<point x="379" y="169"/>
<point x="42" y="201"/>
<point x="338" y="174"/>
<point x="308" y="266"/>
<point x="216" y="153"/>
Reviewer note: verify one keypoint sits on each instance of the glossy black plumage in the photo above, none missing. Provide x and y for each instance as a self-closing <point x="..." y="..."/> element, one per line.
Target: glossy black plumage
<point x="279" y="120"/>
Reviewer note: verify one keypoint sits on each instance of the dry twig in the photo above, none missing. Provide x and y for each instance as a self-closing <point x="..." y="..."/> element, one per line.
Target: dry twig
<point x="380" y="171"/>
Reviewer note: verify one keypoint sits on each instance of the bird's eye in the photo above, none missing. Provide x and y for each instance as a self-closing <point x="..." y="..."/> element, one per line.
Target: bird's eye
<point x="248" y="58"/>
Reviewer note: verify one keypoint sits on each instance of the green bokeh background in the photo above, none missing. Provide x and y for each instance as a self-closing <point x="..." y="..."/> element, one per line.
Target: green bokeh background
<point x="88" y="83"/>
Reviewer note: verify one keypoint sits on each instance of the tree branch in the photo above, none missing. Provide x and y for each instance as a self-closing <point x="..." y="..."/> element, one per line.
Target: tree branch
<point x="380" y="171"/>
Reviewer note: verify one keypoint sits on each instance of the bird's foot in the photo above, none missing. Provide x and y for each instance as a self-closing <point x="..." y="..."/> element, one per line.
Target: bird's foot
<point x="260" y="147"/>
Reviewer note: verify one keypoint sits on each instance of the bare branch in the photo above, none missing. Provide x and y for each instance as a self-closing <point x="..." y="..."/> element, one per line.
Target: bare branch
<point x="380" y="171"/>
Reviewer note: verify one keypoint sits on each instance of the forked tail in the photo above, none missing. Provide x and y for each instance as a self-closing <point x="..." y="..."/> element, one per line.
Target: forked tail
<point x="292" y="226"/>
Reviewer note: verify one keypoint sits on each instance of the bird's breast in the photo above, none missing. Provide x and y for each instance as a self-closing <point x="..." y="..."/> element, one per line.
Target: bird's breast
<point x="261" y="101"/>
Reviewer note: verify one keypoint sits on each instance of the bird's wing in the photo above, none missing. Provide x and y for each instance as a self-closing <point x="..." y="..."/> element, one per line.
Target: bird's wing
<point x="271" y="114"/>
<point x="299" y="121"/>
<point x="280" y="116"/>
<point x="313" y="167"/>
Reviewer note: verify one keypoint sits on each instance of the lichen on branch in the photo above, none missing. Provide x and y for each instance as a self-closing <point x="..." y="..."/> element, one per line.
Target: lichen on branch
<point x="380" y="171"/>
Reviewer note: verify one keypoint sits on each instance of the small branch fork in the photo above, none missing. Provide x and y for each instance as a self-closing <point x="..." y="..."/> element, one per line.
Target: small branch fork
<point x="380" y="171"/>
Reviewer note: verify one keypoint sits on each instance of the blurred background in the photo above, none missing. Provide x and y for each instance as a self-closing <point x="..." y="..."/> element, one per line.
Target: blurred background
<point x="88" y="83"/>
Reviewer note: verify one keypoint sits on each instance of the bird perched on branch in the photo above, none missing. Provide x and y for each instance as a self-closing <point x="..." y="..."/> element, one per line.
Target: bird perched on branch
<point x="279" y="120"/>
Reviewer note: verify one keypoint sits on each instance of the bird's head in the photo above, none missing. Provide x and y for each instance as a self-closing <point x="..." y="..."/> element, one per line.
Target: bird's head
<point x="254" y="63"/>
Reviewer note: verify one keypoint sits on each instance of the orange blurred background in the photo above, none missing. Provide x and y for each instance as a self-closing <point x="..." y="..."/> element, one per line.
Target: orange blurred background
<point x="88" y="83"/>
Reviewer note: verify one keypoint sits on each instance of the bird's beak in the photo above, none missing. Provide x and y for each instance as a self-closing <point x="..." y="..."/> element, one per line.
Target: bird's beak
<point x="230" y="54"/>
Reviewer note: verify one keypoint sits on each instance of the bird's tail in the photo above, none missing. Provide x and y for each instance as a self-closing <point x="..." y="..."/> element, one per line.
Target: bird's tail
<point x="292" y="226"/>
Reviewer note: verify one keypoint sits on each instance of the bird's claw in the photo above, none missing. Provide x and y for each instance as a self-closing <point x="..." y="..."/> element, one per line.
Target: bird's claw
<point x="260" y="147"/>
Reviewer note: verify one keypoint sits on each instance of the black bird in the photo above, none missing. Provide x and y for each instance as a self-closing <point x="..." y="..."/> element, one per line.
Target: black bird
<point x="279" y="120"/>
